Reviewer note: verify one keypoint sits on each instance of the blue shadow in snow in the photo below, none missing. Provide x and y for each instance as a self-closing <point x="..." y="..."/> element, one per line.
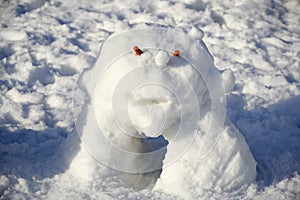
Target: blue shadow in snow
<point x="273" y="135"/>
<point x="27" y="153"/>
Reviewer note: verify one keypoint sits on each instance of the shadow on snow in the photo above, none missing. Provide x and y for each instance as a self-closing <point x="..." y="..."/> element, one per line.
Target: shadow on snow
<point x="273" y="135"/>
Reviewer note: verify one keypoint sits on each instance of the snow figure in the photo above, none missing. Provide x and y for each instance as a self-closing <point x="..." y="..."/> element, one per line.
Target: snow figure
<point x="157" y="82"/>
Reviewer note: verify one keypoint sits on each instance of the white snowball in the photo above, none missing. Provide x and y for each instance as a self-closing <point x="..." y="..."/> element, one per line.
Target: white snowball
<point x="162" y="58"/>
<point x="228" y="80"/>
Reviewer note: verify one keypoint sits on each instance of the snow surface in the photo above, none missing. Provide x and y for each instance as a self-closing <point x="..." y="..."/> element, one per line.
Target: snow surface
<point x="44" y="46"/>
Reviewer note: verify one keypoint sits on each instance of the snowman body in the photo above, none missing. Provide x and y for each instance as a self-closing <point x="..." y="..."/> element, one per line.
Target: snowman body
<point x="159" y="93"/>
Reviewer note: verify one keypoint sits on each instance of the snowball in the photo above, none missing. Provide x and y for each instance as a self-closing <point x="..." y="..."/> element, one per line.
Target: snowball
<point x="228" y="80"/>
<point x="162" y="58"/>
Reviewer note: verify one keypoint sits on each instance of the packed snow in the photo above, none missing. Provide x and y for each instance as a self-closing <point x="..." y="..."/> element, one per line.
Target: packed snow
<point x="180" y="98"/>
<point x="46" y="46"/>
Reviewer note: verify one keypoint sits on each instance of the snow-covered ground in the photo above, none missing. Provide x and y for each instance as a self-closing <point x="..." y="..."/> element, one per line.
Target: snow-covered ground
<point x="45" y="45"/>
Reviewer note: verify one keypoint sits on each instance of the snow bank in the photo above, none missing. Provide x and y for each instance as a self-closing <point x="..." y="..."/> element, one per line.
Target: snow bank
<point x="134" y="97"/>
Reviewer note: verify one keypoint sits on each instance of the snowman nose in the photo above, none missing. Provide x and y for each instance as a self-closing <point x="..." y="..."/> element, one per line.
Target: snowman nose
<point x="137" y="50"/>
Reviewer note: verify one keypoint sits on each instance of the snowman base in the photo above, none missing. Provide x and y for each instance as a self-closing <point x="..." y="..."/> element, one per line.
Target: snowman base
<point x="227" y="168"/>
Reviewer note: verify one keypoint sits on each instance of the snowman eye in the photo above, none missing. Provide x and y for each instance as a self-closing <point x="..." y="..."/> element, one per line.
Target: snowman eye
<point x="137" y="50"/>
<point x="176" y="53"/>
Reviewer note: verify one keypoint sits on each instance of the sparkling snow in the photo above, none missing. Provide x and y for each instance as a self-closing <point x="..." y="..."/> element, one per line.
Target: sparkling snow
<point x="45" y="45"/>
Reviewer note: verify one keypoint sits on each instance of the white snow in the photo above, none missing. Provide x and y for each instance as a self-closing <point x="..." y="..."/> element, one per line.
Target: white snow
<point x="162" y="58"/>
<point x="4" y="183"/>
<point x="133" y="96"/>
<point x="228" y="80"/>
<point x="12" y="35"/>
<point x="45" y="45"/>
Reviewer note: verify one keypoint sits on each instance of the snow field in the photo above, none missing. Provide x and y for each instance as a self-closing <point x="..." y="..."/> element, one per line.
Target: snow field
<point x="258" y="41"/>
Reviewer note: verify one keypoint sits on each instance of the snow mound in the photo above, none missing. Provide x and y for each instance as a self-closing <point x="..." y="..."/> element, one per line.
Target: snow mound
<point x="135" y="98"/>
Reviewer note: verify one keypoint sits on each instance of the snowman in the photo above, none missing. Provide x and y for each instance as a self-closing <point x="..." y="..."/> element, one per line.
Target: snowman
<point x="154" y="83"/>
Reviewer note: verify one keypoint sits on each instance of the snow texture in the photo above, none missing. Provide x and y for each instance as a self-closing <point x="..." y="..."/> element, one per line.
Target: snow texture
<point x="162" y="58"/>
<point x="46" y="44"/>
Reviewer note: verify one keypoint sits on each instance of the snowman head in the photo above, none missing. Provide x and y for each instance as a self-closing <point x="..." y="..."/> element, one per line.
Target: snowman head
<point x="167" y="95"/>
<point x="150" y="92"/>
